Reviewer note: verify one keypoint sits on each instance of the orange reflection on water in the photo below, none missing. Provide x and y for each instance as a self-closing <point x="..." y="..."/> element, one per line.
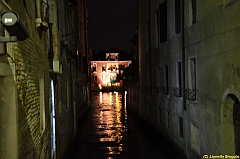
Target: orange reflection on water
<point x="111" y="127"/>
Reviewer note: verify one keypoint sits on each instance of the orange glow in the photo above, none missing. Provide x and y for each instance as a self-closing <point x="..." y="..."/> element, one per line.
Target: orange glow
<point x="110" y="117"/>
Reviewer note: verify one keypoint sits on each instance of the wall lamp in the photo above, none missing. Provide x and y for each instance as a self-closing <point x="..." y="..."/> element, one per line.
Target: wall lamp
<point x="13" y="24"/>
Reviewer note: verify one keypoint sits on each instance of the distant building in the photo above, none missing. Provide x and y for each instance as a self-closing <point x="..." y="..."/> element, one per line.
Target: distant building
<point x="107" y="66"/>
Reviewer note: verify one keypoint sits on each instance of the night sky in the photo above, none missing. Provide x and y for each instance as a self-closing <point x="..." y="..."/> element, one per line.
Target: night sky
<point x="111" y="23"/>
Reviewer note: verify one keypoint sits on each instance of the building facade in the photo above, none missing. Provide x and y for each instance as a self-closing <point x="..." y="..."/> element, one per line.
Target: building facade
<point x="40" y="79"/>
<point x="188" y="63"/>
<point x="106" y="68"/>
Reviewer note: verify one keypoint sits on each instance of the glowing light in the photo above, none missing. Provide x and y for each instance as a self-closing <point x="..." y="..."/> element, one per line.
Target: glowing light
<point x="100" y="97"/>
<point x="110" y="117"/>
<point x="100" y="86"/>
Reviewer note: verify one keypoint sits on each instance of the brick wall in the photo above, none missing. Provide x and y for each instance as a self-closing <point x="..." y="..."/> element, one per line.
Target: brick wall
<point x="31" y="62"/>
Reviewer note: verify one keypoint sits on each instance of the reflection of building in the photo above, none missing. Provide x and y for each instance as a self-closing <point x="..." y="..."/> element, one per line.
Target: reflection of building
<point x="107" y="66"/>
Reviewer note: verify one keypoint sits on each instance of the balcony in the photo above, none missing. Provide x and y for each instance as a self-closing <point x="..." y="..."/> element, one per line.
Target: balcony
<point x="177" y="92"/>
<point x="190" y="94"/>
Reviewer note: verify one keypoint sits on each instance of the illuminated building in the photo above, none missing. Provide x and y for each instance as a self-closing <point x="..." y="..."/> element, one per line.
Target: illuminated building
<point x="106" y="68"/>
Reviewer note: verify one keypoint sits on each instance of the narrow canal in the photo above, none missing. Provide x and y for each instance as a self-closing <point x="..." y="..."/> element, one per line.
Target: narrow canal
<point x="110" y="132"/>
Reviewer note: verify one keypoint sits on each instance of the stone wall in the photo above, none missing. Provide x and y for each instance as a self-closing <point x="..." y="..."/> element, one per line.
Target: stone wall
<point x="30" y="66"/>
<point x="30" y="63"/>
<point x="26" y="114"/>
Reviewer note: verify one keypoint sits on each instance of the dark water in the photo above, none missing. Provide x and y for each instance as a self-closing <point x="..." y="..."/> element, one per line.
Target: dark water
<point x="111" y="132"/>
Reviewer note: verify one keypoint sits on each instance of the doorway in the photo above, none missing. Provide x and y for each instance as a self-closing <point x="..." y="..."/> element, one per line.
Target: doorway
<point x="236" y="123"/>
<point x="231" y="125"/>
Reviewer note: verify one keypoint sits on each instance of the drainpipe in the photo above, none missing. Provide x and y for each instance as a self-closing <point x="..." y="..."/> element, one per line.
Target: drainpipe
<point x="38" y="7"/>
<point x="55" y="40"/>
<point x="51" y="42"/>
<point x="183" y="58"/>
<point x="38" y="18"/>
<point x="149" y="41"/>
<point x="186" y="111"/>
<point x="51" y="47"/>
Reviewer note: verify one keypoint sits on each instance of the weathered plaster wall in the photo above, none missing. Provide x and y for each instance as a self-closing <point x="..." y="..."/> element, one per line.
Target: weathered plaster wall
<point x="214" y="43"/>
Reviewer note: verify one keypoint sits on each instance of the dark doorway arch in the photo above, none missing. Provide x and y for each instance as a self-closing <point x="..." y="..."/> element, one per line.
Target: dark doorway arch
<point x="230" y="123"/>
<point x="236" y="122"/>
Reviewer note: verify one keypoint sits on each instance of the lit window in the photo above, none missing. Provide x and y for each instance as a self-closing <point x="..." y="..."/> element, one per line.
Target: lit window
<point x="94" y="67"/>
<point x="103" y="68"/>
<point x="95" y="78"/>
<point x="104" y="77"/>
<point x="112" y="56"/>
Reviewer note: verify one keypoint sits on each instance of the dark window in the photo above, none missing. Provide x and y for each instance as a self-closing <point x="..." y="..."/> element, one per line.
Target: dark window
<point x="192" y="65"/>
<point x="166" y="79"/>
<point x="179" y="69"/>
<point x="159" y="115"/>
<point x="94" y="68"/>
<point x="149" y="109"/>
<point x="194" y="11"/>
<point x="191" y="91"/>
<point x="121" y="67"/>
<point x="148" y="35"/>
<point x="95" y="78"/>
<point x="181" y="127"/>
<point x="177" y="16"/>
<point x="104" y="68"/>
<point x="163" y="22"/>
<point x="157" y="26"/>
<point x="168" y="119"/>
